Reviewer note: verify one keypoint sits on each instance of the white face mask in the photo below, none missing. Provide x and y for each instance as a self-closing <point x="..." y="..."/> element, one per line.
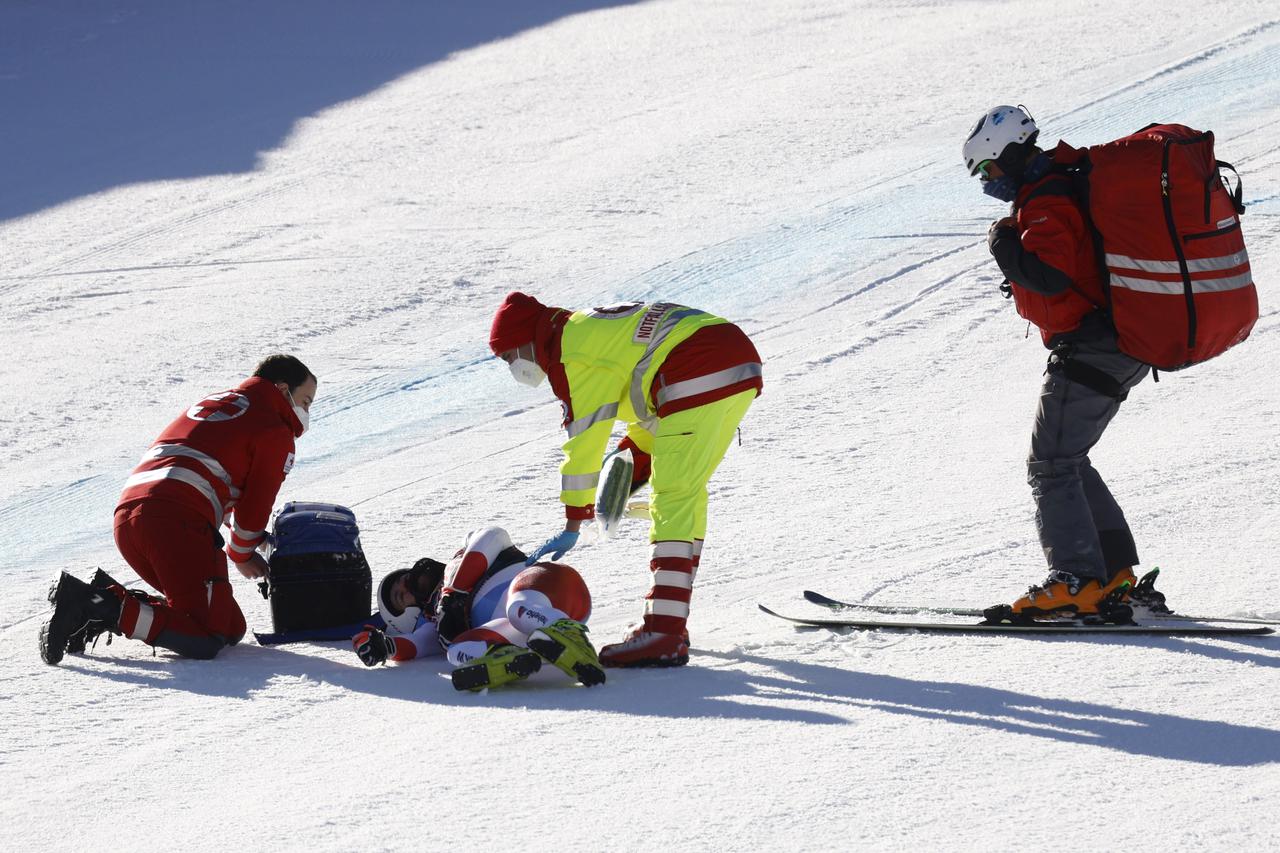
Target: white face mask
<point x="527" y="372"/>
<point x="304" y="417"/>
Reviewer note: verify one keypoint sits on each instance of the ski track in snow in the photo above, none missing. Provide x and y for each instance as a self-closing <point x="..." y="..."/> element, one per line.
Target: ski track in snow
<point x="886" y="454"/>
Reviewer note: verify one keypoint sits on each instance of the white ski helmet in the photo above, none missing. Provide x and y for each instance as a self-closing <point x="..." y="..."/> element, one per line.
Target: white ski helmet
<point x="424" y="582"/>
<point x="998" y="128"/>
<point x="407" y="619"/>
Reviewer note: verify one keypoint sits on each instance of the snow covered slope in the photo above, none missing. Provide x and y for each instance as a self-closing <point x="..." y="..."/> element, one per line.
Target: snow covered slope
<point x="192" y="186"/>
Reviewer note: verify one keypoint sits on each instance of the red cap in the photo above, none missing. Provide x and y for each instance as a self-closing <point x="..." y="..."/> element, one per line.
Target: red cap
<point x="514" y="322"/>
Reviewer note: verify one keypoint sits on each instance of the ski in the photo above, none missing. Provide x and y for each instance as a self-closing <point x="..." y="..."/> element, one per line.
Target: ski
<point x="907" y="609"/>
<point x="1184" y="628"/>
<point x="890" y="609"/>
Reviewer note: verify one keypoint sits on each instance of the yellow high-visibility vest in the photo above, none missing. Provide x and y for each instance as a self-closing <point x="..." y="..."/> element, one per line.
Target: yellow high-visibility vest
<point x="610" y="357"/>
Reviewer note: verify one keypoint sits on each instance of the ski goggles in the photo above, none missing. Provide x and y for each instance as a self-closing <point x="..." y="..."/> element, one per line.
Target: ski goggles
<point x="984" y="169"/>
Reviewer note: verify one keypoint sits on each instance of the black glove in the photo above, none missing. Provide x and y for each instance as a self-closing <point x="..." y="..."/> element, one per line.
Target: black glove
<point x="375" y="647"/>
<point x="455" y="614"/>
<point x="1001" y="228"/>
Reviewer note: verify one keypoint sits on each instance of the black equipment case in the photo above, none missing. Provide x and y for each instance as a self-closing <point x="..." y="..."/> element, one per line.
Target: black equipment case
<point x="319" y="577"/>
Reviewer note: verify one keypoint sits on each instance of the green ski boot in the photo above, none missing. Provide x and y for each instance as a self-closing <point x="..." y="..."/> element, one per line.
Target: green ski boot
<point x="565" y="644"/>
<point x="502" y="664"/>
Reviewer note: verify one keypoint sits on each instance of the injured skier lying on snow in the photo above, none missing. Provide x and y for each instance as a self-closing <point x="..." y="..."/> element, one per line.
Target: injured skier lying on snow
<point x="496" y="618"/>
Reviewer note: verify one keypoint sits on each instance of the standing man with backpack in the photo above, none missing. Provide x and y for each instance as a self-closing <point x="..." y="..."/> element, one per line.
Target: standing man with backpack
<point x="1046" y="252"/>
<point x="222" y="460"/>
<point x="1169" y="288"/>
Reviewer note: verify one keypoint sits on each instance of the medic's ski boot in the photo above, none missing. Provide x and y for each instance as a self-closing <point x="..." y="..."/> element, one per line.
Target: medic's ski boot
<point x="1066" y="595"/>
<point x="642" y="647"/>
<point x="80" y="640"/>
<point x="502" y="664"/>
<point x="564" y="643"/>
<point x="76" y="606"/>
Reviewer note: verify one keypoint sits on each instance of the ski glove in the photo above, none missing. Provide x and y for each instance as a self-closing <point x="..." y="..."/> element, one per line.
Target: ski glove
<point x="373" y="646"/>
<point x="556" y="546"/>
<point x="455" y="615"/>
<point x="999" y="230"/>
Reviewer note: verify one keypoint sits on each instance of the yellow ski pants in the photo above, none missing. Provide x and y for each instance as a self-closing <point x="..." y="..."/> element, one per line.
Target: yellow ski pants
<point x="688" y="446"/>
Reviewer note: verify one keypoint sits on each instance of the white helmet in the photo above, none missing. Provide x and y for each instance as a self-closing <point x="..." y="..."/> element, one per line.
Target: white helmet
<point x="998" y="128"/>
<point x="424" y="587"/>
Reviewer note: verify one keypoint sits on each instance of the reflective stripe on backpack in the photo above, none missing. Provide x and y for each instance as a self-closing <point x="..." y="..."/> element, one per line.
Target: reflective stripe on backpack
<point x="1179" y="285"/>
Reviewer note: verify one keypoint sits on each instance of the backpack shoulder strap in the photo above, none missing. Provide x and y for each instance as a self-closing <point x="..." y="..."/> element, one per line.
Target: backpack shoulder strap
<point x="1078" y="174"/>
<point x="1071" y="180"/>
<point x="1064" y="178"/>
<point x="1054" y="185"/>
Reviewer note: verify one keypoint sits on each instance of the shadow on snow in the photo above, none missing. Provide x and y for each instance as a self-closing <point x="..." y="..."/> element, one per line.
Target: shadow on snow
<point x="765" y="689"/>
<point x="95" y="97"/>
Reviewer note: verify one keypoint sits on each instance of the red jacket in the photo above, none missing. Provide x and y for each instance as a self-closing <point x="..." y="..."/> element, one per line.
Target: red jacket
<point x="1053" y="229"/>
<point x="229" y="453"/>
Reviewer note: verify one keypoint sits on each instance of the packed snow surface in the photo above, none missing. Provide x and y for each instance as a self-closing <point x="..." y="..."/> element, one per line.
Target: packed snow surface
<point x="189" y="186"/>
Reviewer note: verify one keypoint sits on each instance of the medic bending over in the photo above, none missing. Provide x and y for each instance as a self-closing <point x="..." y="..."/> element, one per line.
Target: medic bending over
<point x="496" y="618"/>
<point x="682" y="380"/>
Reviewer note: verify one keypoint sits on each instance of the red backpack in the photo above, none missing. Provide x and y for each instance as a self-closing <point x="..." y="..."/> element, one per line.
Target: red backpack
<point x="1167" y="230"/>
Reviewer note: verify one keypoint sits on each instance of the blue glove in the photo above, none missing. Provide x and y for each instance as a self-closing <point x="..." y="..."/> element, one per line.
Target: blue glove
<point x="556" y="546"/>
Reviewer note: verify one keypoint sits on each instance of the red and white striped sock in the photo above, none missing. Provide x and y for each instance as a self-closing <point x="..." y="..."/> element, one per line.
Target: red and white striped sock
<point x="666" y="608"/>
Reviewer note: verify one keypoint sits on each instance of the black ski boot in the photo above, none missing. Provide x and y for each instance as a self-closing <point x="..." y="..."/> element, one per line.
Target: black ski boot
<point x="76" y="606"/>
<point x="82" y="639"/>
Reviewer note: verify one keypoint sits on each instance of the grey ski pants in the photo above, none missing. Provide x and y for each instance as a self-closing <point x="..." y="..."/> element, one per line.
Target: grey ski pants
<point x="1081" y="527"/>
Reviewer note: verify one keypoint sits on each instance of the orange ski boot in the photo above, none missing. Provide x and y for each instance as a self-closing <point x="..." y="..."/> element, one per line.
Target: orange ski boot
<point x="1065" y="594"/>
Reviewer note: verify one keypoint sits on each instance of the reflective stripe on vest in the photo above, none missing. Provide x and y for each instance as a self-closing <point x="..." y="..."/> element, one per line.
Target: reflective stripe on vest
<point x="168" y="451"/>
<point x="710" y="382"/>
<point x="607" y="412"/>
<point x="674" y="314"/>
<point x="182" y="475"/>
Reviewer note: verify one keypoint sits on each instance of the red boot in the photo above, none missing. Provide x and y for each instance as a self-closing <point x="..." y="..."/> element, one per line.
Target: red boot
<point x="643" y="647"/>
